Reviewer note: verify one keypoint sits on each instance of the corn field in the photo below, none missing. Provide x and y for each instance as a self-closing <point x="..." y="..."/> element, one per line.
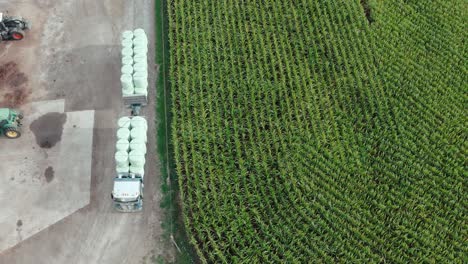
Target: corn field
<point x="304" y="132"/>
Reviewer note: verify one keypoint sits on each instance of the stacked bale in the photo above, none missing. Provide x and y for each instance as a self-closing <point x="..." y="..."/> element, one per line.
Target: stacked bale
<point x="140" y="50"/>
<point x="134" y="77"/>
<point x="131" y="145"/>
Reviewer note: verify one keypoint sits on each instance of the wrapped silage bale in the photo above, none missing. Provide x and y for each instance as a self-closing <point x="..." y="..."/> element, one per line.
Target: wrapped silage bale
<point x="140" y="41"/>
<point x="122" y="145"/>
<point x="140" y="59"/>
<point x="138" y="133"/>
<point x="121" y="159"/>
<point x="127" y="34"/>
<point x="140" y="75"/>
<point x="141" y="64"/>
<point x="127" y="84"/>
<point x="138" y="32"/>
<point x="140" y="67"/>
<point x="138" y="144"/>
<point x="127" y="43"/>
<point x="140" y="83"/>
<point x="127" y="60"/>
<point x="140" y="50"/>
<point x="123" y="133"/>
<point x="136" y="158"/>
<point x="128" y="92"/>
<point x="127" y="51"/>
<point x="122" y="169"/>
<point x="139" y="121"/>
<point x="137" y="169"/>
<point x="127" y="69"/>
<point x="140" y="36"/>
<point x="124" y="122"/>
<point x="140" y="92"/>
<point x="142" y="44"/>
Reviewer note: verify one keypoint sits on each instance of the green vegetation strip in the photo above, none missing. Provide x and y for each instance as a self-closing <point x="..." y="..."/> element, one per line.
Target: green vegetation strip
<point x="172" y="224"/>
<point x="302" y="133"/>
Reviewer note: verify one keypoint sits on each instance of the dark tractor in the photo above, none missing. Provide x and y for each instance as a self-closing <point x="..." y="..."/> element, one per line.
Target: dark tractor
<point x="12" y="28"/>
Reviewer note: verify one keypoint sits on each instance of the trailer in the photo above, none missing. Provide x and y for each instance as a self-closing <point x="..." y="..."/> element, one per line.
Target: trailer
<point x="135" y="102"/>
<point x="130" y="160"/>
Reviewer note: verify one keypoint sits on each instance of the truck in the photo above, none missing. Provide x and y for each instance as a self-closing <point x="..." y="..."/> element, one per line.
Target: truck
<point x="127" y="194"/>
<point x="130" y="156"/>
<point x="130" y="160"/>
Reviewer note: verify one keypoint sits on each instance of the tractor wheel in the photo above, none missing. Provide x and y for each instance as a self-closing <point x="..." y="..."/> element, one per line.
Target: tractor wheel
<point x="17" y="35"/>
<point x="12" y="133"/>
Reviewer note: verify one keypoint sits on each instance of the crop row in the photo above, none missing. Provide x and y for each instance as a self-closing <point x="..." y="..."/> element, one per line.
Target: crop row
<point x="303" y="133"/>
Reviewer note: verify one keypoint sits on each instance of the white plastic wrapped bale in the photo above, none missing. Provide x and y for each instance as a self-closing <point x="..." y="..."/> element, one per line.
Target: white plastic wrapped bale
<point x="127" y="69"/>
<point x="122" y="145"/>
<point x="140" y="75"/>
<point x="138" y="133"/>
<point x="121" y="159"/>
<point x="140" y="83"/>
<point x="140" y="67"/>
<point x="140" y="50"/>
<point x="140" y="42"/>
<point x="127" y="51"/>
<point x="127" y="60"/>
<point x="141" y="38"/>
<point x="136" y="158"/>
<point x="127" y="84"/>
<point x="138" y="32"/>
<point x="139" y="121"/>
<point x="124" y="169"/>
<point x="142" y="91"/>
<point x="123" y="133"/>
<point x="137" y="169"/>
<point x="138" y="144"/>
<point x="128" y="92"/>
<point x="124" y="121"/>
<point x="140" y="59"/>
<point x="127" y="34"/>
<point x="127" y="43"/>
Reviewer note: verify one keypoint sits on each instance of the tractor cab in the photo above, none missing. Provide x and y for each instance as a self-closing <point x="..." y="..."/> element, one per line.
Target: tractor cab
<point x="10" y="123"/>
<point x="12" y="28"/>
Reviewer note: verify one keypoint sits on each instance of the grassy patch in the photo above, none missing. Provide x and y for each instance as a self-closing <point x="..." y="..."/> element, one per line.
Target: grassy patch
<point x="172" y="226"/>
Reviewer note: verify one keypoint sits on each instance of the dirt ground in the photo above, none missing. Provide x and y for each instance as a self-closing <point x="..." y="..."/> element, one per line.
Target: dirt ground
<point x="72" y="54"/>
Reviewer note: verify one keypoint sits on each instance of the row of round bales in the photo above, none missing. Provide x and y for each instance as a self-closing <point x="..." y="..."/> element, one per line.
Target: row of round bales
<point x="134" y="78"/>
<point x="131" y="145"/>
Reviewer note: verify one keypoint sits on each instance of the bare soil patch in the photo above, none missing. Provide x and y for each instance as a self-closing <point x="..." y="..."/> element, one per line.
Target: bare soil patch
<point x="14" y="89"/>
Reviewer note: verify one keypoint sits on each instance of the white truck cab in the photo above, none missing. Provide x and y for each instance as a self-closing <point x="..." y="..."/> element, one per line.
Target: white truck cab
<point x="127" y="194"/>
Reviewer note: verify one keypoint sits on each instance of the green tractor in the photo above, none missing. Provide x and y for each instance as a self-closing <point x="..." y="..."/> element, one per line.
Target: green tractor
<point x="10" y="123"/>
